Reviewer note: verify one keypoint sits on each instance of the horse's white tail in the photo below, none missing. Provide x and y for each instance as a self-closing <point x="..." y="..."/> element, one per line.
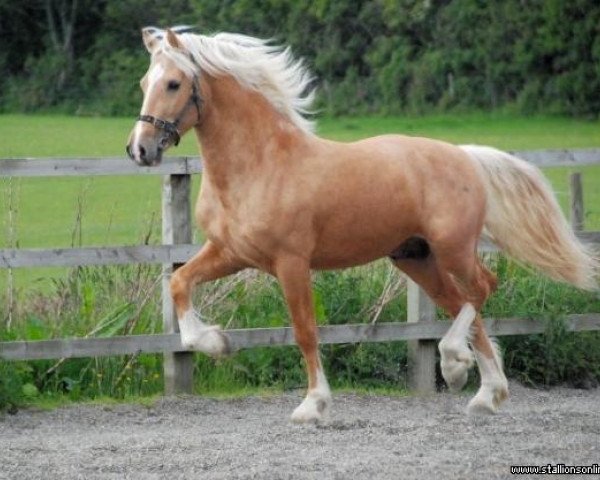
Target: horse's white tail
<point x="524" y="219"/>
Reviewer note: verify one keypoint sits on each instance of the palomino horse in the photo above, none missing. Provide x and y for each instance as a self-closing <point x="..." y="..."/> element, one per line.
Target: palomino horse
<point x="278" y="198"/>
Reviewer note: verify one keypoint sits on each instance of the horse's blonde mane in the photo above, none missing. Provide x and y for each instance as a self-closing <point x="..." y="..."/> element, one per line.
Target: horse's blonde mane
<point x="254" y="63"/>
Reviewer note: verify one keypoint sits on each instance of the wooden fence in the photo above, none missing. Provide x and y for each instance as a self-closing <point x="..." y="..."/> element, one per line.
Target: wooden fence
<point x="421" y="329"/>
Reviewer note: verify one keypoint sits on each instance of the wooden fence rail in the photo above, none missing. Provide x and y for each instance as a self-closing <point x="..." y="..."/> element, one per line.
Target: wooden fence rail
<point x="272" y="337"/>
<point x="153" y="254"/>
<point x="71" y="257"/>
<point x="421" y="329"/>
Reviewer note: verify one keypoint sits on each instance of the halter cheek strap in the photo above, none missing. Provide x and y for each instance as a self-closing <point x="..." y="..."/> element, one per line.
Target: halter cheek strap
<point x="171" y="129"/>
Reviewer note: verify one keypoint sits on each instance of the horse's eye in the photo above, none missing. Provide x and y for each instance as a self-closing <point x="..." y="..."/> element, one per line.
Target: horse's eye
<point x="173" y="85"/>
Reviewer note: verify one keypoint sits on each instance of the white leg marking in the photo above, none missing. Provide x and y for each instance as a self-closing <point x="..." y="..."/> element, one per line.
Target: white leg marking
<point x="456" y="356"/>
<point x="315" y="407"/>
<point x="197" y="335"/>
<point x="494" y="386"/>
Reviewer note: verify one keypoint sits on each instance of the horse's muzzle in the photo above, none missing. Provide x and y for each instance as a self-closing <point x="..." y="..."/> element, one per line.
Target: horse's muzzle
<point x="143" y="154"/>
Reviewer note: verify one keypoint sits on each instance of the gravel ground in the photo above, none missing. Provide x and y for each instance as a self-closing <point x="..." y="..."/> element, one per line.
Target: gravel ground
<point x="374" y="437"/>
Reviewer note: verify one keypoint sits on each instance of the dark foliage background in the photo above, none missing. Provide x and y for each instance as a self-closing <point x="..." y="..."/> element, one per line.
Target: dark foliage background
<point x="369" y="56"/>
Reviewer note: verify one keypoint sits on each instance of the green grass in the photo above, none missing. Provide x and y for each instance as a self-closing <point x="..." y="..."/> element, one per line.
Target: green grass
<point x="58" y="136"/>
<point x="52" y="401"/>
<point x="497" y="130"/>
<point x="115" y="209"/>
<point x="47" y="136"/>
<point x="123" y="210"/>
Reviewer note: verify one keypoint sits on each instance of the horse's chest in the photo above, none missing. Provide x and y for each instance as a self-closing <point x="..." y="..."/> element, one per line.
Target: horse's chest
<point x="243" y="233"/>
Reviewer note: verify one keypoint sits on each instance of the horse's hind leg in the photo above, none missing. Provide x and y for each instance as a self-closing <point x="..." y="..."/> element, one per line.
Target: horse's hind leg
<point x="459" y="283"/>
<point x="473" y="282"/>
<point x="494" y="386"/>
<point x="456" y="357"/>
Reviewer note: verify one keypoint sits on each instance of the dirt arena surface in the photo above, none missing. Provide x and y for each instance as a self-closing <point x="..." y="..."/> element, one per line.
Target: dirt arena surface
<point x="371" y="437"/>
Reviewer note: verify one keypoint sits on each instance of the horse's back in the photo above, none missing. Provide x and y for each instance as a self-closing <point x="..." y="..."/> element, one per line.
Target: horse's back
<point x="412" y="151"/>
<point x="432" y="175"/>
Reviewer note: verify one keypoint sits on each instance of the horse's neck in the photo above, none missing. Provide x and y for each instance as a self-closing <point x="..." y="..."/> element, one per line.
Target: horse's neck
<point x="242" y="135"/>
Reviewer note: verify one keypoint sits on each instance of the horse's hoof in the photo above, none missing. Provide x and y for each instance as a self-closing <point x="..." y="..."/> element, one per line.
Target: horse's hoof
<point x="210" y="340"/>
<point x="487" y="400"/>
<point x="457" y="381"/>
<point x="481" y="407"/>
<point x="455" y="365"/>
<point x="313" y="409"/>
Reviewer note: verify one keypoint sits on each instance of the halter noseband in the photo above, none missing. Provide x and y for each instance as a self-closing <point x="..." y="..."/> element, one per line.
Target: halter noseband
<point x="172" y="128"/>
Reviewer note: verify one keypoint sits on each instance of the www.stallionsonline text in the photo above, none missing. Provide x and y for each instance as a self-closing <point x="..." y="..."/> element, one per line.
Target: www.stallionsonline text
<point x="558" y="469"/>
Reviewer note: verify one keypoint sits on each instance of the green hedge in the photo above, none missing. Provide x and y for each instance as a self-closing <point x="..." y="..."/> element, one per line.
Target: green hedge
<point x="384" y="56"/>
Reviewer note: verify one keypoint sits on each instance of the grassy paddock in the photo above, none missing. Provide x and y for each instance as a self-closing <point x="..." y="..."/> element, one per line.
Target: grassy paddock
<point x="500" y="131"/>
<point x="105" y="301"/>
<point x="46" y="136"/>
<point x="97" y="211"/>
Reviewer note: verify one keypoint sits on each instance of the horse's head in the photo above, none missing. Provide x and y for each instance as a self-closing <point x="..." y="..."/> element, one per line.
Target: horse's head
<point x="172" y="98"/>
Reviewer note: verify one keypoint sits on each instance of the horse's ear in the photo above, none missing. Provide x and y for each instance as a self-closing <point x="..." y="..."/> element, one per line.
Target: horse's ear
<point x="151" y="37"/>
<point x="172" y="39"/>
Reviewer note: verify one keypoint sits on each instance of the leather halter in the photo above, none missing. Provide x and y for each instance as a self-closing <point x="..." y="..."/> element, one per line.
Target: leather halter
<point x="171" y="129"/>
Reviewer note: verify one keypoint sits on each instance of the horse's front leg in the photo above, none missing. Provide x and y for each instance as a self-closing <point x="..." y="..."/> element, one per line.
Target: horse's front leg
<point x="210" y="263"/>
<point x="294" y="276"/>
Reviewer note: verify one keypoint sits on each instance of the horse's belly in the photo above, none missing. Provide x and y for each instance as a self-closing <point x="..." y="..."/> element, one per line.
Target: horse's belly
<point x="368" y="226"/>
<point x="356" y="250"/>
<point x="331" y="262"/>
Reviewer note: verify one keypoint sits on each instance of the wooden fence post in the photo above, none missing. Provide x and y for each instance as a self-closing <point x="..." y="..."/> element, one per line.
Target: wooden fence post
<point x="176" y="228"/>
<point x="576" y="196"/>
<point x="421" y="353"/>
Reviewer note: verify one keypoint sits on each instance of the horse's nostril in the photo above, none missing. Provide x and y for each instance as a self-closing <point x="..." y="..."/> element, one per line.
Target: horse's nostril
<point x="142" y="152"/>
